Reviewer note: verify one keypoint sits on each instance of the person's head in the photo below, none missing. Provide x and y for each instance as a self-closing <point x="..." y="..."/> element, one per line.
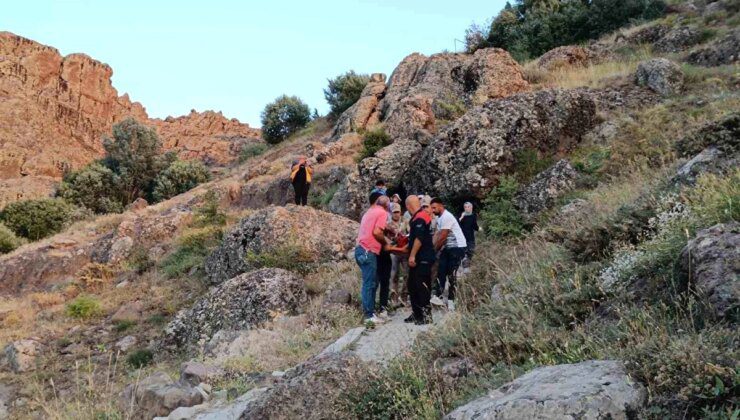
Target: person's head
<point x="396" y="211"/>
<point x="438" y="206"/>
<point x="468" y="207"/>
<point x="426" y="204"/>
<point x="302" y="159"/>
<point x="374" y="197"/>
<point x="383" y="201"/>
<point x="380" y="184"/>
<point x="396" y="199"/>
<point x="413" y="204"/>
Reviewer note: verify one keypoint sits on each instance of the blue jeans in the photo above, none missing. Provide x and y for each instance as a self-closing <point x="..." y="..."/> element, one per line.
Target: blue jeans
<point x="368" y="263"/>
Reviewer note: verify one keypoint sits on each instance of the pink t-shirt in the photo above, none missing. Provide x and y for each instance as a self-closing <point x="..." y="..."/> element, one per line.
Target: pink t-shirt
<point x="376" y="216"/>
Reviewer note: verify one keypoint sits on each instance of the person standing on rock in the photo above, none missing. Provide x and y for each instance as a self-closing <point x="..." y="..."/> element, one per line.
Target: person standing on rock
<point x="451" y="244"/>
<point x="300" y="177"/>
<point x="469" y="226"/>
<point x="370" y="241"/>
<point x="421" y="257"/>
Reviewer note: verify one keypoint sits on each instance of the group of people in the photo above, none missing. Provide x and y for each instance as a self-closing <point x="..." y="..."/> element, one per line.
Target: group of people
<point x="424" y="246"/>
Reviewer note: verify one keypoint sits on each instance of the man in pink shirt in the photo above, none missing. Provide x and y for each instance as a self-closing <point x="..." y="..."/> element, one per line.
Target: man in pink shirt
<point x="370" y="241"/>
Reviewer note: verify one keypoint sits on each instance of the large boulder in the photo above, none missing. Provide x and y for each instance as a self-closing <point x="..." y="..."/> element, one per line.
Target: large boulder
<point x="20" y="356"/>
<point x="723" y="51"/>
<point x="660" y="75"/>
<point x="546" y="187"/>
<point x="678" y="39"/>
<point x="587" y="390"/>
<point x="363" y="114"/>
<point x="241" y="303"/>
<point x="711" y="264"/>
<point x="723" y="134"/>
<point x="649" y="34"/>
<point x="318" y="237"/>
<point x="466" y="159"/>
<point x="157" y="395"/>
<point x="565" y="56"/>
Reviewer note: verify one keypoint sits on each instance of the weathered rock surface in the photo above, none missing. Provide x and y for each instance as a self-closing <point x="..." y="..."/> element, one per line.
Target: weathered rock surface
<point x="313" y="235"/>
<point x="158" y="395"/>
<point x="587" y="390"/>
<point x="241" y="303"/>
<point x="661" y="75"/>
<point x="565" y="56"/>
<point x="195" y="373"/>
<point x="723" y="51"/>
<point x="128" y="312"/>
<point x="54" y="111"/>
<point x="649" y="35"/>
<point x="678" y="39"/>
<point x="364" y="114"/>
<point x="6" y="393"/>
<point x="724" y="134"/>
<point x="467" y="158"/>
<point x="711" y="263"/>
<point x="546" y="187"/>
<point x="20" y="356"/>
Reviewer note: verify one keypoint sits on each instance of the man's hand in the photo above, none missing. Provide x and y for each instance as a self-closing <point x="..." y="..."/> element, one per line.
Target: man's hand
<point x="412" y="261"/>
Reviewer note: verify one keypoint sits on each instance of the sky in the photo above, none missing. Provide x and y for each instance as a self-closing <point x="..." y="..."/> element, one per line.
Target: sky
<point x="236" y="56"/>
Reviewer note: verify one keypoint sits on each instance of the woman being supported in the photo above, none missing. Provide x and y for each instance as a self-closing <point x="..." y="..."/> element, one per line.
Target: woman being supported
<point x="300" y="176"/>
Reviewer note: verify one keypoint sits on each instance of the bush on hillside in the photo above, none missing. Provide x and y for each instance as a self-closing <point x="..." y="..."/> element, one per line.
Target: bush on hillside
<point x="252" y="150"/>
<point x="344" y="90"/>
<point x="84" y="307"/>
<point x="284" y="117"/>
<point x="92" y="187"/>
<point x="374" y="141"/>
<point x="36" y="219"/>
<point x="8" y="240"/>
<point x="192" y="249"/>
<point x="179" y="177"/>
<point x="529" y="28"/>
<point x="500" y="218"/>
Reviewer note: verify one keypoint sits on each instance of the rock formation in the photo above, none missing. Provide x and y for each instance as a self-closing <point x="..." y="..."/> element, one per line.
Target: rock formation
<point x="660" y="75"/>
<point x="363" y="114"/>
<point x="55" y="110"/>
<point x="240" y="303"/>
<point x="565" y="56"/>
<point x="547" y="186"/>
<point x="723" y="51"/>
<point x="310" y="236"/>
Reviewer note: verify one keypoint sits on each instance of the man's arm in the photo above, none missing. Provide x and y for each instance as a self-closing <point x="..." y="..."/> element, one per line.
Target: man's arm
<point x="441" y="239"/>
<point x="378" y="234"/>
<point x="414" y="249"/>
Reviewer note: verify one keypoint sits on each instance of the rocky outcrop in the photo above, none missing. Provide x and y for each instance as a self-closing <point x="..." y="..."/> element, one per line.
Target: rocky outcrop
<point x="364" y="114"/>
<point x="55" y="110"/>
<point x="546" y="187"/>
<point x="713" y="148"/>
<point x="565" y="56"/>
<point x="677" y="40"/>
<point x="20" y="356"/>
<point x="310" y="236"/>
<point x="648" y="35"/>
<point x="587" y="390"/>
<point x="723" y="51"/>
<point x="157" y="395"/>
<point x="467" y="158"/>
<point x="241" y="303"/>
<point x="660" y="75"/>
<point x="711" y="264"/>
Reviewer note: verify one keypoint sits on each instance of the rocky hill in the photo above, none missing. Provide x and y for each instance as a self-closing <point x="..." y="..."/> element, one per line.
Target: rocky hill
<point x="604" y="285"/>
<point x="55" y="110"/>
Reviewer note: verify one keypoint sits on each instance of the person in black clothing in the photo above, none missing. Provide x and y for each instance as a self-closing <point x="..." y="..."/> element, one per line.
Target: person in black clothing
<point x="300" y="177"/>
<point x="469" y="225"/>
<point x="421" y="257"/>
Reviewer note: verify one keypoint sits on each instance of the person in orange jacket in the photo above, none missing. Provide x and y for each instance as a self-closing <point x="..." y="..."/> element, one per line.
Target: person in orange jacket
<point x="300" y="177"/>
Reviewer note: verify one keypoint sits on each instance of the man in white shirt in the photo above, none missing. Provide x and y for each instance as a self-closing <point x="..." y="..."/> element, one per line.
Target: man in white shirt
<point x="450" y="242"/>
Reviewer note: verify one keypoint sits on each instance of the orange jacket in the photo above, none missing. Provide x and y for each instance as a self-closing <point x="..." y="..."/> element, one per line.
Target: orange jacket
<point x="296" y="168"/>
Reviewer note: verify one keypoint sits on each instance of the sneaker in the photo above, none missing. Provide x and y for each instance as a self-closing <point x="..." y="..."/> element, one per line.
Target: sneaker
<point x="410" y="319"/>
<point x="451" y="305"/>
<point x="436" y="301"/>
<point x="383" y="315"/>
<point x="373" y="321"/>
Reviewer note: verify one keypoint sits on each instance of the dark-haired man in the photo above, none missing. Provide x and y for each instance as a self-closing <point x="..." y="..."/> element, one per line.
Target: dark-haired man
<point x="451" y="244"/>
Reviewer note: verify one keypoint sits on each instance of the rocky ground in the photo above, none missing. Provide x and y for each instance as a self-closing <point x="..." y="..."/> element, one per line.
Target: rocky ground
<point x="611" y="293"/>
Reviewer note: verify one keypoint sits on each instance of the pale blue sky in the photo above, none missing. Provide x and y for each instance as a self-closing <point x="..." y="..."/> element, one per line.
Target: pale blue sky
<point x="236" y="56"/>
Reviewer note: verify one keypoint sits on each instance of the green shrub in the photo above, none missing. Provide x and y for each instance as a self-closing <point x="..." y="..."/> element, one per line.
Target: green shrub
<point x="344" y="90"/>
<point x="191" y="251"/>
<point x="209" y="212"/>
<point x="84" y="307"/>
<point x="252" y="150"/>
<point x="36" y="219"/>
<point x="179" y="177"/>
<point x="140" y="358"/>
<point x="500" y="218"/>
<point x="92" y="187"/>
<point x="373" y="141"/>
<point x="139" y="260"/>
<point x="289" y="256"/>
<point x="8" y="240"/>
<point x="528" y="163"/>
<point x="124" y="325"/>
<point x="284" y="117"/>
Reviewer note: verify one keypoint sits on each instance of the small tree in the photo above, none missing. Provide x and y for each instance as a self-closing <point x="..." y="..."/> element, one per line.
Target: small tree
<point x="283" y="117"/>
<point x="500" y="218"/>
<point x="36" y="219"/>
<point x="134" y="154"/>
<point x="8" y="240"/>
<point x="93" y="187"/>
<point x="344" y="90"/>
<point x="179" y="177"/>
<point x="373" y="141"/>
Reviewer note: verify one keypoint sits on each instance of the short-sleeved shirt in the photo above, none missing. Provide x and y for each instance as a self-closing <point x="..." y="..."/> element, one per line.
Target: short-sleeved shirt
<point x="455" y="238"/>
<point x="375" y="216"/>
<point x="419" y="229"/>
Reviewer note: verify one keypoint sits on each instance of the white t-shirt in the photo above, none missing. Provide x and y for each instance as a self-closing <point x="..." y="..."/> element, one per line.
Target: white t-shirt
<point x="455" y="238"/>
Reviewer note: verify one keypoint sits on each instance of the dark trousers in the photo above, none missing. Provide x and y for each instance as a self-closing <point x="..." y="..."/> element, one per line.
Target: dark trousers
<point x="385" y="264"/>
<point x="420" y="290"/>
<point x="449" y="262"/>
<point x="301" y="193"/>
